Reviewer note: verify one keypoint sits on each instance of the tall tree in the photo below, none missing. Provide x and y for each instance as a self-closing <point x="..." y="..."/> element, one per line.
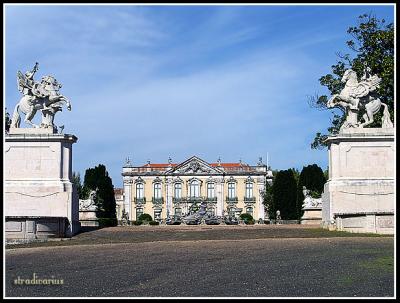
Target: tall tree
<point x="284" y="194"/>
<point x="313" y="178"/>
<point x="268" y="200"/>
<point x="97" y="179"/>
<point x="7" y="121"/>
<point x="76" y="179"/>
<point x="296" y="174"/>
<point x="372" y="45"/>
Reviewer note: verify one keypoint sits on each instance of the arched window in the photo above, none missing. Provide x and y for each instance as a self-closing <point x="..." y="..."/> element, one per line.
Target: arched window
<point x="249" y="189"/>
<point x="194" y="189"/>
<point x="231" y="212"/>
<point x="157" y="190"/>
<point x="231" y="190"/>
<point x="139" y="211"/>
<point x="139" y="190"/>
<point x="178" y="190"/>
<point x="178" y="211"/>
<point x="157" y="214"/>
<point x="211" y="211"/>
<point x="210" y="190"/>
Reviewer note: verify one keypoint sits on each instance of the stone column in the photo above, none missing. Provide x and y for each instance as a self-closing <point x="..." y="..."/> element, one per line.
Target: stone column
<point x="169" y="186"/>
<point x="219" y="191"/>
<point x="128" y="196"/>
<point x="260" y="198"/>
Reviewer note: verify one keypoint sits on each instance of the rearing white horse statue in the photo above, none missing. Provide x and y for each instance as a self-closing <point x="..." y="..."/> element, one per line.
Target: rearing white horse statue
<point x="360" y="94"/>
<point x="42" y="96"/>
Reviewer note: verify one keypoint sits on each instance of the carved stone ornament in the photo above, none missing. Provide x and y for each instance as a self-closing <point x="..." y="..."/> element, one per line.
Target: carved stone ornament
<point x="310" y="202"/>
<point x="140" y="180"/>
<point x="88" y="204"/>
<point x="249" y="179"/>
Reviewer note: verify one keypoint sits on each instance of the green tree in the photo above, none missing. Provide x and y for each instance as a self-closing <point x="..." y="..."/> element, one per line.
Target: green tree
<point x="313" y="178"/>
<point x="284" y="194"/>
<point x="326" y="174"/>
<point x="268" y="200"/>
<point x="97" y="179"/>
<point x="296" y="174"/>
<point x="7" y="121"/>
<point x="372" y="45"/>
<point x="76" y="179"/>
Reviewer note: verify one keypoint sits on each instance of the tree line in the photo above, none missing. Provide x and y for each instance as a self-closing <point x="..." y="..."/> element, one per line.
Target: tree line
<point x="97" y="179"/>
<point x="286" y="191"/>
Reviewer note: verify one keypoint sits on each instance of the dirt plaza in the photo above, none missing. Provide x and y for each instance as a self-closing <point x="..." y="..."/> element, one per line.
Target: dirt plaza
<point x="205" y="261"/>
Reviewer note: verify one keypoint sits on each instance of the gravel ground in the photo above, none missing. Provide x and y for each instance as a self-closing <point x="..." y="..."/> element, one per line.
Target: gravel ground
<point x="206" y="261"/>
<point x="140" y="234"/>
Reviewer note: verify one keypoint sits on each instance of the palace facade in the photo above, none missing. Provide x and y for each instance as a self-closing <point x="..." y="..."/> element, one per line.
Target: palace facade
<point x="164" y="190"/>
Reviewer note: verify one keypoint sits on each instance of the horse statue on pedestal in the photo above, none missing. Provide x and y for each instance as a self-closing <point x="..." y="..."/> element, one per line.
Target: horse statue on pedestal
<point x="360" y="95"/>
<point x="42" y="96"/>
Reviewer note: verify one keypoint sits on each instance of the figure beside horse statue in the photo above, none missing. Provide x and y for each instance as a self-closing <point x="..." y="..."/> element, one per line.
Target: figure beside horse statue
<point x="43" y="96"/>
<point x="360" y="95"/>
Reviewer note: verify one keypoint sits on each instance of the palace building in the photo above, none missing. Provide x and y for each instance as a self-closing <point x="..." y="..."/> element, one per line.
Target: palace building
<point x="164" y="190"/>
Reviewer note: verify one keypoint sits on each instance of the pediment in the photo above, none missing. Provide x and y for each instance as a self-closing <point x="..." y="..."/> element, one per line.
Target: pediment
<point x="193" y="166"/>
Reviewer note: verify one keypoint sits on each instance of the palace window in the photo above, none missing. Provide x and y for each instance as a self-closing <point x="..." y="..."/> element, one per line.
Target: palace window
<point x="139" y="191"/>
<point x="210" y="190"/>
<point x="211" y="211"/>
<point x="231" y="190"/>
<point x="157" y="214"/>
<point x="157" y="190"/>
<point x="231" y="212"/>
<point x="194" y="189"/>
<point x="178" y="190"/>
<point x="249" y="189"/>
<point x="178" y="211"/>
<point x="139" y="211"/>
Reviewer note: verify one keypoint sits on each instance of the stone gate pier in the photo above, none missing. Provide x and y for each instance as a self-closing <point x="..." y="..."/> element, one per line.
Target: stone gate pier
<point x="359" y="195"/>
<point x="40" y="199"/>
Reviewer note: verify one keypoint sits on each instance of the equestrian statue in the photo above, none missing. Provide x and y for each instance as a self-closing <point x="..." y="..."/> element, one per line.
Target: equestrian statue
<point x="356" y="96"/>
<point x="43" y="96"/>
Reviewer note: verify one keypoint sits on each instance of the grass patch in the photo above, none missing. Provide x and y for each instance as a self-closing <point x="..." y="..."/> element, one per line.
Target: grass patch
<point x="337" y="233"/>
<point x="385" y="263"/>
<point x="346" y="280"/>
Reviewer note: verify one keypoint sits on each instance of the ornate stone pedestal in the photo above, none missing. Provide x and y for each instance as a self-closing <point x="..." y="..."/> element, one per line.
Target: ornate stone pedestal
<point x="359" y="195"/>
<point x="87" y="211"/>
<point x="40" y="200"/>
<point x="312" y="216"/>
<point x="88" y="218"/>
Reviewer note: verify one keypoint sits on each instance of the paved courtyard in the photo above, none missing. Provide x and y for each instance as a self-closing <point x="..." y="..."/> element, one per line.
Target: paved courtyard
<point x="206" y="261"/>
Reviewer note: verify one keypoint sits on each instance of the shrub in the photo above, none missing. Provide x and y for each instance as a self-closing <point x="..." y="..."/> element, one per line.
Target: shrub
<point x="145" y="217"/>
<point x="103" y="222"/>
<point x="137" y="222"/>
<point x="247" y="218"/>
<point x="154" y="223"/>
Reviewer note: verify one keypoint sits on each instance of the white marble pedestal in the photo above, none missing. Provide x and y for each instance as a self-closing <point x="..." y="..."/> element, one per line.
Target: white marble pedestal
<point x="40" y="200"/>
<point x="88" y="218"/>
<point x="359" y="195"/>
<point x="312" y="215"/>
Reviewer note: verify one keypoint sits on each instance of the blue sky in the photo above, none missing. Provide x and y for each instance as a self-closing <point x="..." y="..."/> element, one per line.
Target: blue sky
<point x="152" y="82"/>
